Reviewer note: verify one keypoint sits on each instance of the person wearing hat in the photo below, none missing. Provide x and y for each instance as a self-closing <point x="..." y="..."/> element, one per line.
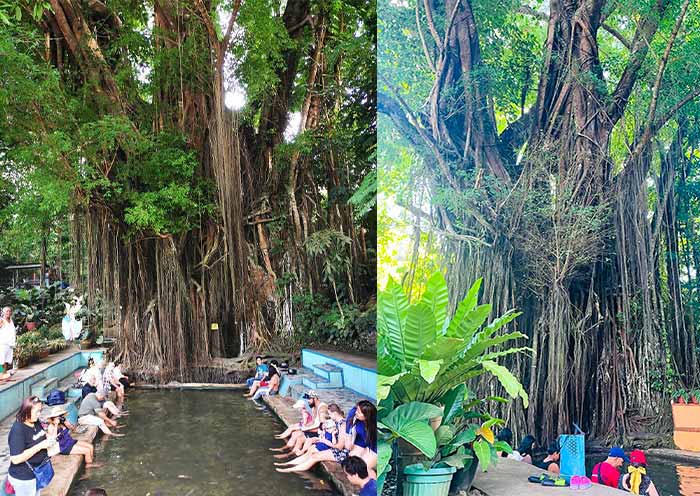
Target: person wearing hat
<point x="60" y="428"/>
<point x="551" y="461"/>
<point x="607" y="473"/>
<point x="306" y="419"/>
<point x="636" y="480"/>
<point x="318" y="411"/>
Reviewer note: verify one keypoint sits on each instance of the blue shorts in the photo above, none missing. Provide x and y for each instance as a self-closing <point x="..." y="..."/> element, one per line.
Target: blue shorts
<point x="249" y="381"/>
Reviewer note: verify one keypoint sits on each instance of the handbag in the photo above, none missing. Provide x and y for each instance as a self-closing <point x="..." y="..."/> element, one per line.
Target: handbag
<point x="43" y="473"/>
<point x="8" y="487"/>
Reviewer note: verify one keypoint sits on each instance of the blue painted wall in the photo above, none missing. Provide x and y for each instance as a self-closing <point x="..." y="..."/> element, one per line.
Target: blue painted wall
<point x="11" y="398"/>
<point x="359" y="379"/>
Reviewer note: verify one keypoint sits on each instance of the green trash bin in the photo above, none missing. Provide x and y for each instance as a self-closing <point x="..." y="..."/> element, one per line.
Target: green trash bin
<point x="421" y="482"/>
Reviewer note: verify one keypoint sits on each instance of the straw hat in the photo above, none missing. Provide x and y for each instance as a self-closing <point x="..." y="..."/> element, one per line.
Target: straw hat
<point x="54" y="411"/>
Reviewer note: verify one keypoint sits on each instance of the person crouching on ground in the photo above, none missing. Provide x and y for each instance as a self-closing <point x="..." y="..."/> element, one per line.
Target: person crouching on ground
<point x="60" y="428"/>
<point x="636" y="480"/>
<point x="356" y="471"/>
<point x="607" y="472"/>
<point x="551" y="461"/>
<point x="28" y="447"/>
<point x="91" y="413"/>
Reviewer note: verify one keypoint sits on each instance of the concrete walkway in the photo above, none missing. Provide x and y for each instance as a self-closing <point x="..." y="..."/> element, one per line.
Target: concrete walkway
<point x="361" y="359"/>
<point x="509" y="478"/>
<point x="39" y="366"/>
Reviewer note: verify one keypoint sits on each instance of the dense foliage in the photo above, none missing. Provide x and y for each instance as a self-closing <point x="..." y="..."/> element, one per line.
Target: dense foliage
<point x="551" y="148"/>
<point x="123" y="167"/>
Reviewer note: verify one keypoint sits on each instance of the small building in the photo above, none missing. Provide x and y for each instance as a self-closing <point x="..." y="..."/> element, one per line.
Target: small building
<point x="23" y="274"/>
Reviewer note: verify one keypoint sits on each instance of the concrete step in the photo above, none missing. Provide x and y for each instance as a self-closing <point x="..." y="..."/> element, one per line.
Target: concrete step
<point x="316" y="382"/>
<point x="297" y="390"/>
<point x="330" y="372"/>
<point x="42" y="387"/>
<point x="287" y="382"/>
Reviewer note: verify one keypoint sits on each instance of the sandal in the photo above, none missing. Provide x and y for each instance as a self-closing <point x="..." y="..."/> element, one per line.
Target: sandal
<point x="539" y="479"/>
<point x="558" y="482"/>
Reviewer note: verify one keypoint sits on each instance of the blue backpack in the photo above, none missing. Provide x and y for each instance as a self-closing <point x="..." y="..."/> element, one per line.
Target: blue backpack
<point x="56" y="397"/>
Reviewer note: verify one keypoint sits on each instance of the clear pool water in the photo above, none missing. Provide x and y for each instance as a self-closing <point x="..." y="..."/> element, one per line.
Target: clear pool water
<point x="194" y="443"/>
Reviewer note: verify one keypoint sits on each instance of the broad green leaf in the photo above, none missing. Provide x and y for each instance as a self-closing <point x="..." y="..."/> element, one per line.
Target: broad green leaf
<point x="414" y="410"/>
<point x="419" y="332"/>
<point x="384" y="453"/>
<point x="482" y="450"/>
<point x="444" y="433"/>
<point x="453" y="402"/>
<point x="503" y="446"/>
<point x="418" y="433"/>
<point x="384" y="384"/>
<point x="392" y="306"/>
<point x="467" y="436"/>
<point x="444" y="348"/>
<point x="429" y="369"/>
<point x="507" y="379"/>
<point x="436" y="297"/>
<point x="504" y="319"/>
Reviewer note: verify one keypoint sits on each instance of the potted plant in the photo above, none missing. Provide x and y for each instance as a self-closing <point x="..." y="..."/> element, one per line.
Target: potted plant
<point x="681" y="396"/>
<point x="423" y="357"/>
<point x="694" y="396"/>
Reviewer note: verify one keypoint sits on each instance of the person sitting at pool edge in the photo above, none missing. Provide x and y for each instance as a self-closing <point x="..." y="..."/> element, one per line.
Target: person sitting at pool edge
<point x="90" y="386"/>
<point x="59" y="428"/>
<point x="551" y="461"/>
<point x="355" y="470"/>
<point x="607" y="472"/>
<point x="636" y="480"/>
<point x="261" y="370"/>
<point x="270" y="385"/>
<point x="91" y="413"/>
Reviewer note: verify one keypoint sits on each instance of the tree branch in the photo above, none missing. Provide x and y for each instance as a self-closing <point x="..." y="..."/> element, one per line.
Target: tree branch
<point x="646" y="29"/>
<point x="526" y="10"/>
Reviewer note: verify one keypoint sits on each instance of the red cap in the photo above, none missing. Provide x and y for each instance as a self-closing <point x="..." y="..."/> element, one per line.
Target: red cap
<point x="637" y="456"/>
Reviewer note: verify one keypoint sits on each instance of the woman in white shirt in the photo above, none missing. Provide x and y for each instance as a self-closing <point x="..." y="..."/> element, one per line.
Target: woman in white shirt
<point x="8" y="339"/>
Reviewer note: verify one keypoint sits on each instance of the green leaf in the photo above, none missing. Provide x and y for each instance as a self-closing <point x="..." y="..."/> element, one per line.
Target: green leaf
<point x="482" y="450"/>
<point x="384" y="453"/>
<point x="444" y="348"/>
<point x="444" y="434"/>
<point x="470" y="323"/>
<point x="415" y="410"/>
<point x="419" y="434"/>
<point x="392" y="307"/>
<point x="18" y="13"/>
<point x="453" y="400"/>
<point x="436" y="297"/>
<point x="384" y="384"/>
<point x="467" y="436"/>
<point x="507" y="379"/>
<point x="429" y="369"/>
<point x="503" y="446"/>
<point x="419" y="332"/>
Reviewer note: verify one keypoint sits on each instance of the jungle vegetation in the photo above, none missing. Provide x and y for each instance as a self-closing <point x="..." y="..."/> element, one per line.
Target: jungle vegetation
<point x="196" y="162"/>
<point x="552" y="148"/>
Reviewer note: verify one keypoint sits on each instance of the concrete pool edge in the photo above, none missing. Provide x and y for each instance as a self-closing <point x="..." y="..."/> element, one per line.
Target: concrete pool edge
<point x="330" y="469"/>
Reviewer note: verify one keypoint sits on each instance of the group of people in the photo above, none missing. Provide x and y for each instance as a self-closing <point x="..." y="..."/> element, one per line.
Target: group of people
<point x="266" y="381"/>
<point x="40" y="432"/>
<point x="608" y="472"/>
<point x="325" y="434"/>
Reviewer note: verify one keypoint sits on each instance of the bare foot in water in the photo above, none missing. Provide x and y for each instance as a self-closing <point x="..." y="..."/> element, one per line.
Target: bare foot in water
<point x="279" y="449"/>
<point x="94" y="465"/>
<point x="283" y="455"/>
<point x="114" y="434"/>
